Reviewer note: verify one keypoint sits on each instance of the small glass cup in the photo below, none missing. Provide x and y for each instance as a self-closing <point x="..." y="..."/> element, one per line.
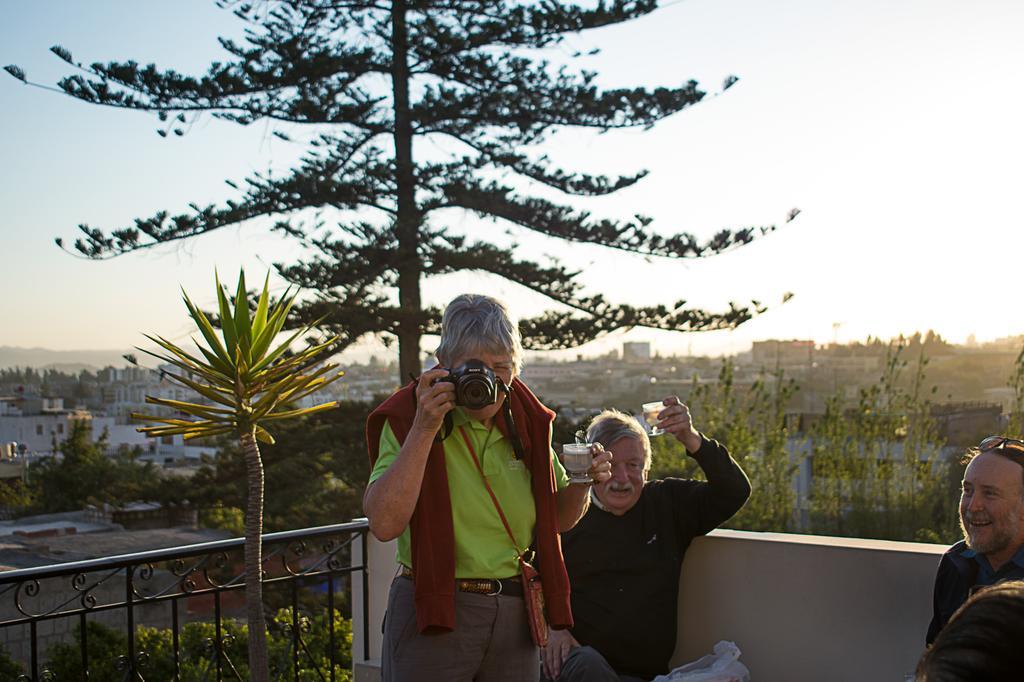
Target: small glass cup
<point x="651" y="413"/>
<point x="577" y="459"/>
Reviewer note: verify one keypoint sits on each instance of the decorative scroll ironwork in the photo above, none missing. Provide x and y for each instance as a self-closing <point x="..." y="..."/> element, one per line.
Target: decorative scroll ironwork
<point x="44" y="676"/>
<point x="112" y="591"/>
<point x="219" y="563"/>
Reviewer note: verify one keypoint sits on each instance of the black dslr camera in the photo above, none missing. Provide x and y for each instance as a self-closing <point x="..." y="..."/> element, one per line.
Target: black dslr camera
<point x="475" y="385"/>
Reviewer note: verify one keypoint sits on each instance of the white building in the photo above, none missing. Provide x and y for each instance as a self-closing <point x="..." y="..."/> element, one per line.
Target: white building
<point x="126" y="390"/>
<point x="36" y="431"/>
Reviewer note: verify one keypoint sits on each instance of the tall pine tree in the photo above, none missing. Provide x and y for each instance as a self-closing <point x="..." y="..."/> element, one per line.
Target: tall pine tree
<point x="377" y="78"/>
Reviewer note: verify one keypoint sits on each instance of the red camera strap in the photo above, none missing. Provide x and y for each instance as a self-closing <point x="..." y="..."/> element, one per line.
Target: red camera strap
<point x="494" y="499"/>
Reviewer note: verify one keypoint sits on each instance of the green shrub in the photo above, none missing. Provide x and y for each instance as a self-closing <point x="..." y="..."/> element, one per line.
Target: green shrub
<point x="9" y="669"/>
<point x="155" y="647"/>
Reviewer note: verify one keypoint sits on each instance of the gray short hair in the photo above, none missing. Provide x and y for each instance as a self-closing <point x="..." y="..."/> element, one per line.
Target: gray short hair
<point x="611" y="425"/>
<point x="475" y="323"/>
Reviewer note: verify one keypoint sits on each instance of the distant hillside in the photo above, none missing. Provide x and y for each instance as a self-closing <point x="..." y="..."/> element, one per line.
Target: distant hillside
<point x="64" y="360"/>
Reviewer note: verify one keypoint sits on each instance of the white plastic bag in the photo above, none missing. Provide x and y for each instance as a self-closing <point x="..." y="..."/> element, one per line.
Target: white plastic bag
<point x="721" y="666"/>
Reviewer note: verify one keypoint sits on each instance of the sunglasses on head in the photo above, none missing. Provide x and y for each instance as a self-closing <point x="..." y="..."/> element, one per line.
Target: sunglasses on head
<point x="1007" y="446"/>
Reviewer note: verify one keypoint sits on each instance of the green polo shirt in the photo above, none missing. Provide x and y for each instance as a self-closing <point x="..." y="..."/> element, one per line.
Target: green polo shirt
<point x="482" y="547"/>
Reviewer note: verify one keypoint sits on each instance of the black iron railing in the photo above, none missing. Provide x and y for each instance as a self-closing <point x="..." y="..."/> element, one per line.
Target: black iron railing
<point x="309" y="578"/>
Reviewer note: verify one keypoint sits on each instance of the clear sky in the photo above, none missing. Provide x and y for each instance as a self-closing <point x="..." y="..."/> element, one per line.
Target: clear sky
<point x="894" y="125"/>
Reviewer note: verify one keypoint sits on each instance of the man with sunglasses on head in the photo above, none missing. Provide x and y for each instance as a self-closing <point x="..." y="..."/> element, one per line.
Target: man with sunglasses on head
<point x="992" y="519"/>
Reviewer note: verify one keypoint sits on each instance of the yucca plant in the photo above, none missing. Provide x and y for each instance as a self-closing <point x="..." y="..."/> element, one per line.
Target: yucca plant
<point x="248" y="383"/>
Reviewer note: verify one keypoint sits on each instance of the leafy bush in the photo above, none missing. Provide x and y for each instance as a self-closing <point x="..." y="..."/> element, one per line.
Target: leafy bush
<point x="197" y="652"/>
<point x="9" y="669"/>
<point x="231" y="519"/>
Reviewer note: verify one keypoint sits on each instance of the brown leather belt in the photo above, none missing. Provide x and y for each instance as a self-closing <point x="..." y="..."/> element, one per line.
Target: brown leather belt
<point x="510" y="587"/>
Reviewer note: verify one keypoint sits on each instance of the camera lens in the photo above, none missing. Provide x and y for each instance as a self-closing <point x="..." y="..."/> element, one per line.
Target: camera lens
<point x="475" y="385"/>
<point x="476" y="393"/>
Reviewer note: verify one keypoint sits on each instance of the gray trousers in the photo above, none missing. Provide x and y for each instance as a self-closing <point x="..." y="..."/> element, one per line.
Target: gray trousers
<point x="585" y="664"/>
<point x="490" y="643"/>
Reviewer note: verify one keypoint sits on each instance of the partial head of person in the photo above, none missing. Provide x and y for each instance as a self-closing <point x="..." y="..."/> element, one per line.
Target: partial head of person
<point x="478" y="327"/>
<point x="981" y="642"/>
<point x="992" y="499"/>
<point x="622" y="435"/>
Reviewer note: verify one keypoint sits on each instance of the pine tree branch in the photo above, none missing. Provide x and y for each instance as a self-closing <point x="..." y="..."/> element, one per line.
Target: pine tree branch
<point x="540" y="101"/>
<point x="598" y="317"/>
<point x="554" y="330"/>
<point x="294" y="71"/>
<point x="358" y="266"/>
<point x="545" y="217"/>
<point x="315" y="184"/>
<point x="530" y="24"/>
<point x="498" y="157"/>
<point x="453" y="254"/>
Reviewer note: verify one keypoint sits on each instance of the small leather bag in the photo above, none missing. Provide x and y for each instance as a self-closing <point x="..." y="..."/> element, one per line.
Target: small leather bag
<point x="533" y="595"/>
<point x="533" y="590"/>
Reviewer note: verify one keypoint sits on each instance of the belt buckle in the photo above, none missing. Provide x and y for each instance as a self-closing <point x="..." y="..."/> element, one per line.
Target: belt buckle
<point x="496" y="592"/>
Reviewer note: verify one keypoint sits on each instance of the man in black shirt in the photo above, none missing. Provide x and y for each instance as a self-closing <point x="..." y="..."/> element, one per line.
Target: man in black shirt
<point x="992" y="520"/>
<point x="624" y="556"/>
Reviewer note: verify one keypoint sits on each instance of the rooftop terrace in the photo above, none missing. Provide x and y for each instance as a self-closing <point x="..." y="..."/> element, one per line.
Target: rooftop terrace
<point x="801" y="608"/>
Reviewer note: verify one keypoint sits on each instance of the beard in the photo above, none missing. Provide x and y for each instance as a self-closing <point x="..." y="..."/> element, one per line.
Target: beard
<point x="998" y="535"/>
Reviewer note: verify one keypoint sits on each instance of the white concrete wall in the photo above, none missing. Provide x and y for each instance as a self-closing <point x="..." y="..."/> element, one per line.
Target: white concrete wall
<point x="37" y="431"/>
<point x="382" y="570"/>
<point x="808" y="608"/>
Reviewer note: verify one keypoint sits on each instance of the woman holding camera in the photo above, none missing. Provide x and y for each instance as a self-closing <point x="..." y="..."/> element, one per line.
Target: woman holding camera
<point x="464" y="476"/>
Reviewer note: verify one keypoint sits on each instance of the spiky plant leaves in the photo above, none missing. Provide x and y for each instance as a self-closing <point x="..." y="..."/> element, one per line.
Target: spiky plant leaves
<point x="248" y="383"/>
